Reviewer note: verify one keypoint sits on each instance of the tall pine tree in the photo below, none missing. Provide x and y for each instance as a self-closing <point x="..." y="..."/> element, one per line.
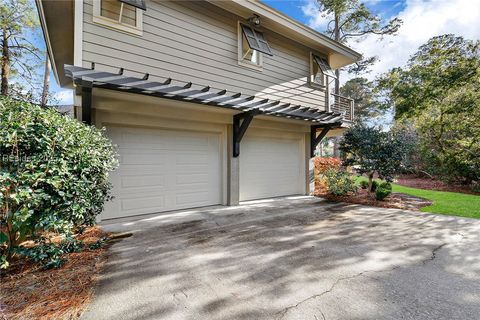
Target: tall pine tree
<point x="20" y="56"/>
<point x="351" y="19"/>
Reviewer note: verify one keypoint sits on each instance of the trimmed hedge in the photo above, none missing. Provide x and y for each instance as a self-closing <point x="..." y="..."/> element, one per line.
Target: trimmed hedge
<point x="383" y="190"/>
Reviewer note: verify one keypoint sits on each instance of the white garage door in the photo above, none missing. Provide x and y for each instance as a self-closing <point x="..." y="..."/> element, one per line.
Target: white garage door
<point x="271" y="167"/>
<point x="163" y="170"/>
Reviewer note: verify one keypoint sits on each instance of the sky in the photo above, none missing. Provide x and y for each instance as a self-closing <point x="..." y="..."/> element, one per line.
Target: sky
<point x="58" y="95"/>
<point x="421" y="21"/>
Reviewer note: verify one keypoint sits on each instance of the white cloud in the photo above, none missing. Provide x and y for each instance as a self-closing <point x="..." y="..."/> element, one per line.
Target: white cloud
<point x="316" y="20"/>
<point x="421" y="21"/>
<point x="63" y="97"/>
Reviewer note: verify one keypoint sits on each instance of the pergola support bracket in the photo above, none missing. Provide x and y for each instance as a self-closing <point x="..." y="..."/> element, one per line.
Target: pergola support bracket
<point x="87" y="101"/>
<point x="241" y="122"/>
<point x="314" y="139"/>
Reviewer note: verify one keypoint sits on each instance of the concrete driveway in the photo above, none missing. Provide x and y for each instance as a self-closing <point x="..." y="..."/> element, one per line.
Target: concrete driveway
<point x="292" y="258"/>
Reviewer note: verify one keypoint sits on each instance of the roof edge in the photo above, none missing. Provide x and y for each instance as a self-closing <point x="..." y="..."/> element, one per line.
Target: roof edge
<point x="43" y="24"/>
<point x="305" y="32"/>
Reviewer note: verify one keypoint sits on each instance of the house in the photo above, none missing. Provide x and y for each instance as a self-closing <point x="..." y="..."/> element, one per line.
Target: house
<point x="209" y="102"/>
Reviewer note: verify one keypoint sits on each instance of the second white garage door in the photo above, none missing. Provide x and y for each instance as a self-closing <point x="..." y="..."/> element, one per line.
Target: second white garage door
<point x="271" y="166"/>
<point x="163" y="170"/>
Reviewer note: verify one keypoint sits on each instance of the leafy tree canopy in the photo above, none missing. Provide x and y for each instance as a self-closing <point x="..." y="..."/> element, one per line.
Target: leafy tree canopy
<point x="373" y="151"/>
<point x="367" y="106"/>
<point x="439" y="93"/>
<point x="440" y="67"/>
<point x="351" y="19"/>
<point x="356" y="20"/>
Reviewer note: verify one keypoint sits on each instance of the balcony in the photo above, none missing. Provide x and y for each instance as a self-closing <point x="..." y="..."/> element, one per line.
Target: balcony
<point x="342" y="105"/>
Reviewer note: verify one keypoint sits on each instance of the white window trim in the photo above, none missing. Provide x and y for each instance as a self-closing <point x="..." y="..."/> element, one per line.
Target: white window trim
<point x="241" y="61"/>
<point x="113" y="24"/>
<point x="311" y="76"/>
<point x="78" y="36"/>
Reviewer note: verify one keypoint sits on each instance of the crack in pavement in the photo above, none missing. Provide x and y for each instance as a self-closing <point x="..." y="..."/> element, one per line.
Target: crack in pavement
<point x="434" y="253"/>
<point x="332" y="287"/>
<point x="315" y="296"/>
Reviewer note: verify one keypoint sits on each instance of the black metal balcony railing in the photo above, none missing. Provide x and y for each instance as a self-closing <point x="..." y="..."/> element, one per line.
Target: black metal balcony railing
<point x="342" y="105"/>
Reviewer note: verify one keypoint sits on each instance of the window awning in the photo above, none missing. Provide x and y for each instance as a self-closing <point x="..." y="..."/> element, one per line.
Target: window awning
<point x="196" y="94"/>
<point x="325" y="67"/>
<point x="256" y="40"/>
<point x="140" y="4"/>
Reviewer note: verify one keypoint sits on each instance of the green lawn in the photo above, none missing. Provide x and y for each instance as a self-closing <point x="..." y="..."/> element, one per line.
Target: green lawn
<point x="450" y="203"/>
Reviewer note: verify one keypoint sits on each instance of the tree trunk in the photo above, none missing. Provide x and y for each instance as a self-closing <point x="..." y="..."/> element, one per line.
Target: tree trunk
<point x="5" y="63"/>
<point x="370" y="182"/>
<point x="46" y="81"/>
<point x="336" y="147"/>
<point x="336" y="140"/>
<point x="337" y="38"/>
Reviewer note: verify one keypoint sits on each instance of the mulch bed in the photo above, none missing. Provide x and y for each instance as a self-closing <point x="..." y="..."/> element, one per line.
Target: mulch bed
<point x="426" y="183"/>
<point x="394" y="200"/>
<point x="28" y="292"/>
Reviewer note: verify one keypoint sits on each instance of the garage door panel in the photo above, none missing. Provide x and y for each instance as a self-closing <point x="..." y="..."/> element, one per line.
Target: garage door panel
<point x="197" y="143"/>
<point x="143" y="159"/>
<point x="143" y="180"/>
<point x="192" y="199"/>
<point x="271" y="167"/>
<point x="163" y="170"/>
<point x="141" y="141"/>
<point x="150" y="203"/>
<point x="188" y="179"/>
<point x="174" y="140"/>
<point x="192" y="159"/>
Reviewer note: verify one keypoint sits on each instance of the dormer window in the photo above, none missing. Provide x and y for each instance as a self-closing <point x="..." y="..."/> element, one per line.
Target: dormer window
<point x="251" y="46"/>
<point x="320" y="70"/>
<point x="124" y="15"/>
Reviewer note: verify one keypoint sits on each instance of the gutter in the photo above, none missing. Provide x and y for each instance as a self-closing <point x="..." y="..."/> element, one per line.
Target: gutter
<point x="43" y="24"/>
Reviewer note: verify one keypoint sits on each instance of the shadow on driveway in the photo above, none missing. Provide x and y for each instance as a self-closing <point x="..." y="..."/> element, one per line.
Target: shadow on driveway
<point x="292" y="258"/>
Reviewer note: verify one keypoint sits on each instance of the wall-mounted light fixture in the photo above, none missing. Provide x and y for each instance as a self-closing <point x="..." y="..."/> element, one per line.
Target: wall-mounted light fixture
<point x="254" y="20"/>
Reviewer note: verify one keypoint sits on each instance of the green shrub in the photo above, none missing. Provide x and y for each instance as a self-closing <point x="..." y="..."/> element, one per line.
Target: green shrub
<point x="98" y="244"/>
<point x="339" y="182"/>
<point x="364" y="184"/>
<point x="383" y="190"/>
<point x="49" y="255"/>
<point x="53" y="174"/>
<point x="373" y="151"/>
<point x="386" y="185"/>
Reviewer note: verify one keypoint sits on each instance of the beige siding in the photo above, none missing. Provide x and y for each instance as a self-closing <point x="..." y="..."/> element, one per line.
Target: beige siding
<point x="196" y="41"/>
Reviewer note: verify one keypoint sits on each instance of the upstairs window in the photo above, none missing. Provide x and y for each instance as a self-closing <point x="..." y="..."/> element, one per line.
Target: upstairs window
<point x="252" y="45"/>
<point x="125" y="15"/>
<point x="320" y="70"/>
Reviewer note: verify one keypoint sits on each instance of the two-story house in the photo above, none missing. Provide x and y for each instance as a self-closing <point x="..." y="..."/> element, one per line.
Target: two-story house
<point x="209" y="102"/>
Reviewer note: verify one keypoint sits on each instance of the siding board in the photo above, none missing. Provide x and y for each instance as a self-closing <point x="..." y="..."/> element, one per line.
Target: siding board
<point x="164" y="40"/>
<point x="207" y="35"/>
<point x="196" y="41"/>
<point x="177" y="55"/>
<point x="276" y="92"/>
